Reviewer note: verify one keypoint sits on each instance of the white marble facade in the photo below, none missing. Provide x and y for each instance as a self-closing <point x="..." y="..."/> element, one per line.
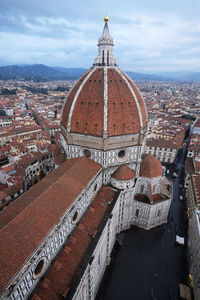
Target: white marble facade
<point x="25" y="280"/>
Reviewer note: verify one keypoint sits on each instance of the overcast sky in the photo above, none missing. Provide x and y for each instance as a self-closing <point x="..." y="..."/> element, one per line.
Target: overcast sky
<point x="149" y="35"/>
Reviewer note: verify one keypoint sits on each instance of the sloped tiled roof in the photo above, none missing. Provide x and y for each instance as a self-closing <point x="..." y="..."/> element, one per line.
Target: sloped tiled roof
<point x="33" y="215"/>
<point x="124" y="173"/>
<point x="58" y="280"/>
<point x="150" y="167"/>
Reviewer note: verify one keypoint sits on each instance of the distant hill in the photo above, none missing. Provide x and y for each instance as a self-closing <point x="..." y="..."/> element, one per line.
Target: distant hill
<point x="182" y="76"/>
<point x="148" y="77"/>
<point x="72" y="73"/>
<point x="40" y="72"/>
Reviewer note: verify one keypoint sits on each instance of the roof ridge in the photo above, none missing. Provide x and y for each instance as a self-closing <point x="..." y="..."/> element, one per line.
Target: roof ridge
<point x="42" y="192"/>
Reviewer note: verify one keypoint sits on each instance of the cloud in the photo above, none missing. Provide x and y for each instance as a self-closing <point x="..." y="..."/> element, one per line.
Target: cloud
<point x="35" y="49"/>
<point x="147" y="36"/>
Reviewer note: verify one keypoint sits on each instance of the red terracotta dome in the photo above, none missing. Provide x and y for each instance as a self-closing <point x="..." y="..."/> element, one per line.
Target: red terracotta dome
<point x="124" y="173"/>
<point x="104" y="105"/>
<point x="150" y="167"/>
<point x="104" y="100"/>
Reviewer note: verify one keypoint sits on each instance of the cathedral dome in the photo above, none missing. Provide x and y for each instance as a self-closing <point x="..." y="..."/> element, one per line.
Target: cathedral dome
<point x="105" y="102"/>
<point x="104" y="99"/>
<point x="150" y="167"/>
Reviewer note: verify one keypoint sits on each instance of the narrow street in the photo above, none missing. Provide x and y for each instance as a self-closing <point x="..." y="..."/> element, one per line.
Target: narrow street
<point x="148" y="264"/>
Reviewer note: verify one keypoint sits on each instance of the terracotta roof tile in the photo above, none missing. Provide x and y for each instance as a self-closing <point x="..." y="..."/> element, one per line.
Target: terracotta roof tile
<point x="123" y="117"/>
<point x="88" y="113"/>
<point x="196" y="166"/>
<point x="139" y="98"/>
<point x="150" y="167"/>
<point x="124" y="173"/>
<point x="196" y="186"/>
<point x="67" y="106"/>
<point x="38" y="211"/>
<point x="60" y="277"/>
<point x="189" y="165"/>
<point x="175" y="143"/>
<point x="153" y="199"/>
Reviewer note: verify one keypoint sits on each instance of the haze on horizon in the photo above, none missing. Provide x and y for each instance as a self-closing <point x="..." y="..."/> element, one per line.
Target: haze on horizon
<point x="150" y="36"/>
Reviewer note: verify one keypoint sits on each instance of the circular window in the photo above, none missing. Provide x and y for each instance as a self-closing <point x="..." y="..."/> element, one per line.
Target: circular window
<point x="75" y="217"/>
<point x="95" y="187"/>
<point x="122" y="155"/>
<point x="87" y="153"/>
<point x="39" y="268"/>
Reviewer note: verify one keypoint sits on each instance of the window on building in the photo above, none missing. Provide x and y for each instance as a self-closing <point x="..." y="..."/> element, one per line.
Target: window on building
<point x="103" y="57"/>
<point x="108" y="57"/>
<point x="122" y="155"/>
<point x="39" y="268"/>
<point x="95" y="187"/>
<point x="142" y="188"/>
<point x="159" y="213"/>
<point x="99" y="259"/>
<point x="87" y="153"/>
<point x="75" y="217"/>
<point x="137" y="212"/>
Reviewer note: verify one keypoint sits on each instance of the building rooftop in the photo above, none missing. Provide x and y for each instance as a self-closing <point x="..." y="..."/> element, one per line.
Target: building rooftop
<point x="26" y="222"/>
<point x="124" y="173"/>
<point x="86" y="114"/>
<point x="57" y="282"/>
<point x="150" y="166"/>
<point x="196" y="186"/>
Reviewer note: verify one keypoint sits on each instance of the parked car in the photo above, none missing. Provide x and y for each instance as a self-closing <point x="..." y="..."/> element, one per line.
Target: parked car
<point x="175" y="174"/>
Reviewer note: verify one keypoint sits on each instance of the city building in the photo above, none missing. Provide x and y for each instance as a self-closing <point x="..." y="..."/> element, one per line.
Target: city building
<point x="194" y="251"/>
<point x="193" y="204"/>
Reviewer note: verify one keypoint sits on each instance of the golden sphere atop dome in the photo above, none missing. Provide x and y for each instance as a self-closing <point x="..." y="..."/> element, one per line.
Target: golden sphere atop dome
<point x="106" y="18"/>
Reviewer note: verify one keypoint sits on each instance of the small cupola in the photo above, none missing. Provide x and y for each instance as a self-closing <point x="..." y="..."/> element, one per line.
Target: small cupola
<point x="123" y="178"/>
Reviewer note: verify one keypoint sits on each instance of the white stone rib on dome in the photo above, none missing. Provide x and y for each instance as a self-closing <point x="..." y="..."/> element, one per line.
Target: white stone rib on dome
<point x="76" y="97"/>
<point x="133" y="94"/>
